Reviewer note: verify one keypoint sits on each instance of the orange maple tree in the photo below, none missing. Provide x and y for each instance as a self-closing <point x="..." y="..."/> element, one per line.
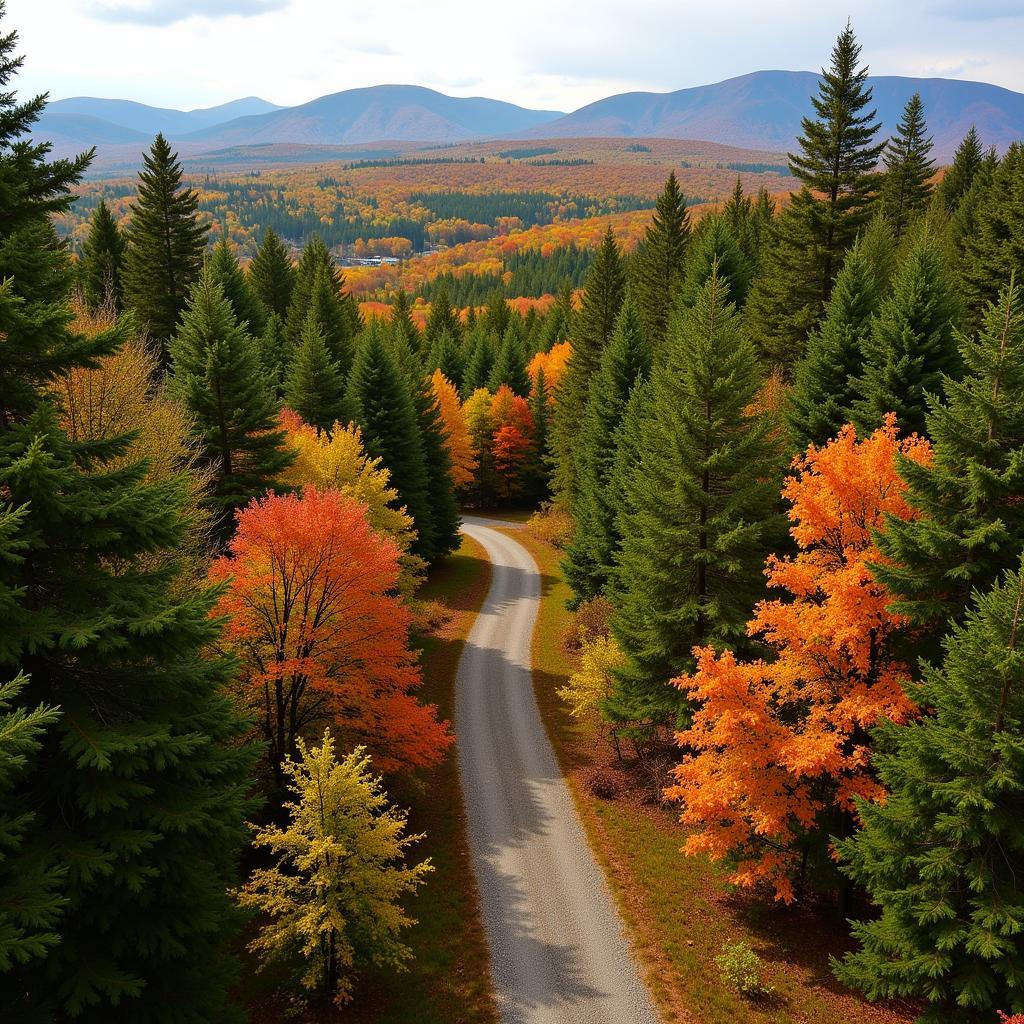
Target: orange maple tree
<point x="512" y="439"/>
<point x="778" y="747"/>
<point x="456" y="433"/>
<point x="311" y="613"/>
<point x="553" y="363"/>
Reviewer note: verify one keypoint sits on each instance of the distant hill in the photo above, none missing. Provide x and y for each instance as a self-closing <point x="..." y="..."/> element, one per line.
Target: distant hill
<point x="396" y="113"/>
<point x="763" y="110"/>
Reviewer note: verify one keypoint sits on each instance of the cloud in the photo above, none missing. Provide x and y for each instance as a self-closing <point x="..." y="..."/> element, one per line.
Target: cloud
<point x="167" y="12"/>
<point x="975" y="10"/>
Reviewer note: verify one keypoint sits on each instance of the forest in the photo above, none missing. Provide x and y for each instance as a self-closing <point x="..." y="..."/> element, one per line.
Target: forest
<point x="766" y="444"/>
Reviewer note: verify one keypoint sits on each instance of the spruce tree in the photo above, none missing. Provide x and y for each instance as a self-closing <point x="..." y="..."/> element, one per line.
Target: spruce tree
<point x="593" y="327"/>
<point x="164" y="244"/>
<point x="381" y="401"/>
<point x="912" y="343"/>
<point x="657" y="267"/>
<point x="129" y="810"/>
<point x="825" y="385"/>
<point x="558" y="324"/>
<point x="100" y="270"/>
<point x="228" y="274"/>
<point x="714" y="245"/>
<point x="328" y="306"/>
<point x="271" y="345"/>
<point x="943" y="854"/>
<point x="625" y="362"/>
<point x="699" y="514"/>
<point x="314" y="258"/>
<point x="216" y="374"/>
<point x="510" y="364"/>
<point x="497" y="314"/>
<point x="478" y="362"/>
<point x="271" y="276"/>
<point x="908" y="167"/>
<point x="960" y="174"/>
<point x="314" y="387"/>
<point x="538" y="482"/>
<point x="446" y="356"/>
<point x="879" y="248"/>
<point x="971" y="523"/>
<point x="401" y="320"/>
<point x="835" y="166"/>
<point x="441" y="318"/>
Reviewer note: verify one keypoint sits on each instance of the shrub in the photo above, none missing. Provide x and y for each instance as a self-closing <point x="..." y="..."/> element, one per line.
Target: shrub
<point x="551" y="524"/>
<point x="741" y="968"/>
<point x="602" y="783"/>
<point x="590" y="622"/>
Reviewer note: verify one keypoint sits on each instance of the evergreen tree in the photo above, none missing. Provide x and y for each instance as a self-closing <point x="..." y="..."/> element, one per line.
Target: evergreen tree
<point x="228" y="274"/>
<point x="442" y="317"/>
<point x="138" y="788"/>
<point x="401" y="320"/>
<point x="657" y="266"/>
<point x="328" y="306"/>
<point x="497" y="314"/>
<point x="878" y="246"/>
<point x="836" y="168"/>
<point x="478" y="364"/>
<point x="960" y="175"/>
<point x="825" y="386"/>
<point x="271" y="345"/>
<point x="593" y="326"/>
<point x="558" y="324"/>
<point x="216" y="374"/>
<point x="446" y="356"/>
<point x="538" y="482"/>
<point x="510" y="365"/>
<point x="100" y="269"/>
<point x="714" y="245"/>
<point x="164" y="244"/>
<point x="625" y="361"/>
<point x="314" y="387"/>
<point x="971" y="524"/>
<point x="912" y="344"/>
<point x="942" y="856"/>
<point x="315" y="258"/>
<point x="699" y="514"/>
<point x="381" y="401"/>
<point x="908" y="167"/>
<point x="271" y="276"/>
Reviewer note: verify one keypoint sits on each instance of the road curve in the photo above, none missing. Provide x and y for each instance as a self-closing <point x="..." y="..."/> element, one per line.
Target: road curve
<point x="558" y="952"/>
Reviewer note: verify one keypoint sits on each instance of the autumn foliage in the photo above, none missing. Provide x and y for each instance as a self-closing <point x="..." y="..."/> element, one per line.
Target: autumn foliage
<point x="553" y="363"/>
<point x="456" y="434"/>
<point x="512" y="438"/>
<point x="310" y="611"/>
<point x="777" y="744"/>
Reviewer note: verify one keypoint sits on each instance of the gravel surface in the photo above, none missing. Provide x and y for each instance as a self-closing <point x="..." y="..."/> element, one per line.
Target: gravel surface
<point x="558" y="951"/>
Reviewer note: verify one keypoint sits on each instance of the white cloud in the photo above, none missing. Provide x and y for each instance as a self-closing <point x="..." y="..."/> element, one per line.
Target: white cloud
<point x="167" y="12"/>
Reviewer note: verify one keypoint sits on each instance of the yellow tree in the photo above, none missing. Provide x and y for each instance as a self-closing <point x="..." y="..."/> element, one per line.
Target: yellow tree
<point x="456" y="433"/>
<point x="333" y="893"/>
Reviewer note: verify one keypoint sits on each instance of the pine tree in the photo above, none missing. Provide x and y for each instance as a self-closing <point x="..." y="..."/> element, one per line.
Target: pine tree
<point x="510" y="364"/>
<point x="497" y="314"/>
<point x="825" y="379"/>
<point x="971" y="524"/>
<point x="442" y="317"/>
<point x="699" y="511"/>
<point x="478" y="362"/>
<point x="401" y="320"/>
<point x="593" y="327"/>
<point x="714" y="245"/>
<point x="446" y="356"/>
<point x="657" y="266"/>
<point x="216" y="374"/>
<point x="138" y="787"/>
<point x="943" y="855"/>
<point x="625" y="362"/>
<point x="315" y="257"/>
<point x="381" y="401"/>
<point x="912" y="344"/>
<point x="836" y="168"/>
<point x="228" y="274"/>
<point x="164" y="244"/>
<point x="878" y="246"/>
<point x="538" y="484"/>
<point x="271" y="276"/>
<point x="314" y="387"/>
<point x="100" y="269"/>
<point x="328" y="306"/>
<point x="960" y="175"/>
<point x="271" y="346"/>
<point x="558" y="324"/>
<point x="908" y="167"/>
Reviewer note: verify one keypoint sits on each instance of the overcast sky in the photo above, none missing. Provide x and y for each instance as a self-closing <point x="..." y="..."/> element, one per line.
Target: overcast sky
<point x="557" y="54"/>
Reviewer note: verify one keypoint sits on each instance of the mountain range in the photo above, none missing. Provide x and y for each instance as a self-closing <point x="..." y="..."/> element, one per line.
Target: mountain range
<point x="761" y="110"/>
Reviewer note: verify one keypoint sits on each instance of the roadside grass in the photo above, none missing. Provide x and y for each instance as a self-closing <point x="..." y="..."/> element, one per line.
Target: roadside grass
<point x="448" y="979"/>
<point x="679" y="910"/>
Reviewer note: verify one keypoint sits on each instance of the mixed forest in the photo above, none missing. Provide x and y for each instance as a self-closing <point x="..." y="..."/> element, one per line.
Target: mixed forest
<point x="774" y="429"/>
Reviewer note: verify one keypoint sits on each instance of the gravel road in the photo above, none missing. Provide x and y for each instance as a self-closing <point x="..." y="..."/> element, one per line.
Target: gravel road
<point x="558" y="951"/>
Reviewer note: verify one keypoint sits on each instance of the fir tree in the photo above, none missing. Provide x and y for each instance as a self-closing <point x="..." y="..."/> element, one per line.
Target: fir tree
<point x="967" y="161"/>
<point x="164" y="244"/>
<point x="593" y="326"/>
<point x="878" y="246"/>
<point x="228" y="274"/>
<point x="538" y="483"/>
<point x="271" y="346"/>
<point x="442" y="317"/>
<point x="271" y="276"/>
<point x="315" y="258"/>
<point x="912" y="344"/>
<point x="510" y="365"/>
<point x="825" y="386"/>
<point x="100" y="269"/>
<point x="138" y="787"/>
<point x="905" y="187"/>
<point x="478" y="363"/>
<point x="558" y="324"/>
<point x="217" y="375"/>
<point x="971" y="524"/>
<point x="381" y="401"/>
<point x="446" y="356"/>
<point x="624" y="363"/>
<point x="714" y="245"/>
<point x="314" y="387"/>
<point x="328" y="306"/>
<point x="942" y="856"/>
<point x="657" y="266"/>
<point x="401" y="320"/>
<point x="497" y="314"/>
<point x="836" y="168"/>
<point x="699" y="512"/>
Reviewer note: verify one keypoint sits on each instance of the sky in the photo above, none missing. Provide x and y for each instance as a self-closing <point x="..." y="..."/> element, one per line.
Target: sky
<point x="549" y="54"/>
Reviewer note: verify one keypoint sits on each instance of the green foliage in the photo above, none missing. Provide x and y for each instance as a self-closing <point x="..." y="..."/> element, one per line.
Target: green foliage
<point x="479" y="361"/>
<point x="228" y="274"/>
<point x="101" y="267"/>
<point x="714" y="244"/>
<point x="314" y="387"/>
<point x="271" y="345"/>
<point x="271" y="276"/>
<point x="442" y="318"/>
<point x="164" y="244"/>
<point x="741" y="969"/>
<point x="943" y="855"/>
<point x="446" y="356"/>
<point x="510" y="364"/>
<point x="333" y="894"/>
<point x="216" y="373"/>
<point x="967" y="161"/>
<point x="905" y="186"/>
